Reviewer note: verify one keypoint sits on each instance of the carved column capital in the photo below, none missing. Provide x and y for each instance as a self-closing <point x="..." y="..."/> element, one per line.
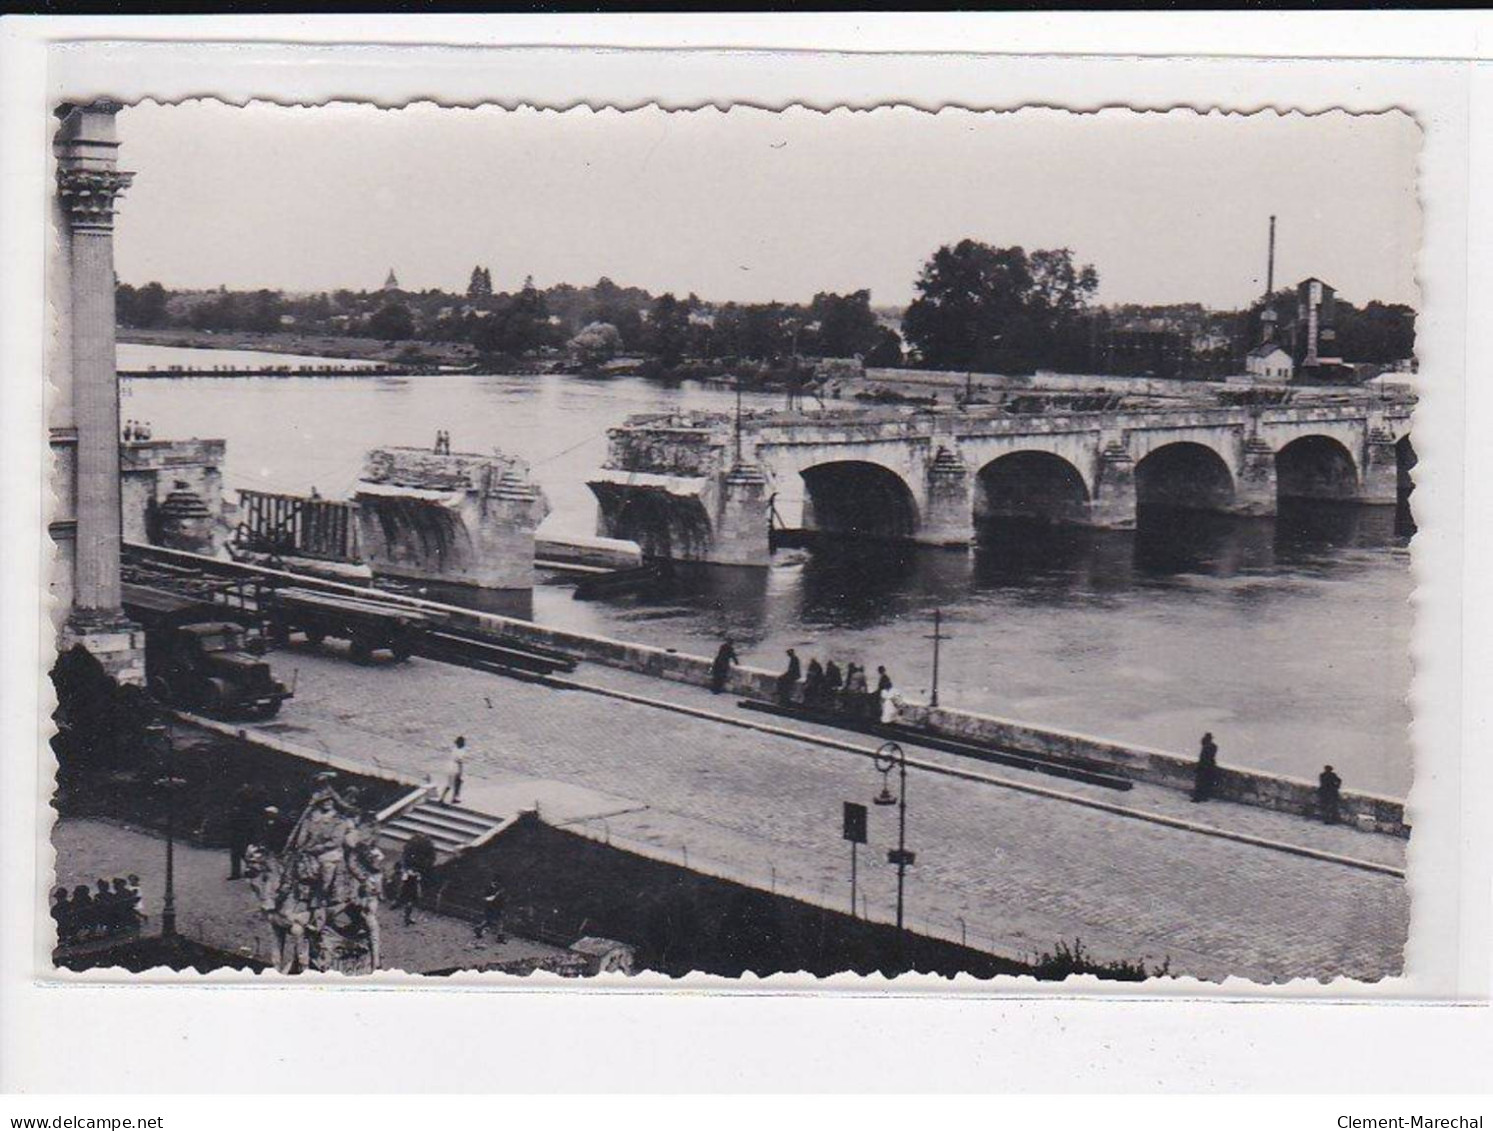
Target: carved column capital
<point x="88" y="195"/>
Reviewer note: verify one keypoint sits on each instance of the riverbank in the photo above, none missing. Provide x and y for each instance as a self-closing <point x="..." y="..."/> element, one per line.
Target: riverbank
<point x="306" y="345"/>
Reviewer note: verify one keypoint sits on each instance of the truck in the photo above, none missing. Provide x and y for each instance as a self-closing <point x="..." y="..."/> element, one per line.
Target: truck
<point x="198" y="660"/>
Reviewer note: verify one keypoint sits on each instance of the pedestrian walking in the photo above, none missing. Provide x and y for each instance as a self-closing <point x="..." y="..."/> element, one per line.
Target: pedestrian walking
<point x="1206" y="775"/>
<point x="1329" y="795"/>
<point x="720" y="667"/>
<point x="883" y="681"/>
<point x="455" y="772"/>
<point x="494" y="903"/>
<point x="788" y="681"/>
<point x="416" y="864"/>
<point x="242" y="827"/>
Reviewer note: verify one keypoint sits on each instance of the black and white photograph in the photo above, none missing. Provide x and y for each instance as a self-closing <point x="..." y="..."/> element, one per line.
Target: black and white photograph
<point x="608" y="542"/>
<point x="834" y="555"/>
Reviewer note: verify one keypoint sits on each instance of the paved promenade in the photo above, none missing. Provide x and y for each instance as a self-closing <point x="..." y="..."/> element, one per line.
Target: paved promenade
<point x="1011" y="871"/>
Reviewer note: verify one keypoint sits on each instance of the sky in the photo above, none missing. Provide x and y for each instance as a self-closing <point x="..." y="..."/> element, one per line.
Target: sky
<point x="751" y="205"/>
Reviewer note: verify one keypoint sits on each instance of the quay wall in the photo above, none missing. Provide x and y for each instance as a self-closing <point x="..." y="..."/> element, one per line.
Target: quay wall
<point x="1367" y="811"/>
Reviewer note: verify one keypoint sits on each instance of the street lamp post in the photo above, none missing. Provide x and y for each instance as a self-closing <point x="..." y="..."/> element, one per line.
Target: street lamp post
<point x="938" y="637"/>
<point x="891" y="756"/>
<point x="159" y="740"/>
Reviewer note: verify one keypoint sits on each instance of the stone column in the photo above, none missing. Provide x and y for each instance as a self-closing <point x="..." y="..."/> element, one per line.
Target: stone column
<point x="88" y="182"/>
<point x="1113" y="505"/>
<point x="741" y="522"/>
<point x="1381" y="479"/>
<point x="1254" y="485"/>
<point x="949" y="508"/>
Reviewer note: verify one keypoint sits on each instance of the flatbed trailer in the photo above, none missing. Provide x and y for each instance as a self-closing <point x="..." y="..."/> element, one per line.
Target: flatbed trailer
<point x="367" y="625"/>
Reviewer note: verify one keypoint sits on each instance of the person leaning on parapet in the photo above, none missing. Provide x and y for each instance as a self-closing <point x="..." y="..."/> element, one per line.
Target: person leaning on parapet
<point x="1206" y="775"/>
<point x="1329" y="795"/>
<point x="720" y="667"/>
<point x="855" y="689"/>
<point x="814" y="683"/>
<point x="788" y="681"/>
<point x="833" y="681"/>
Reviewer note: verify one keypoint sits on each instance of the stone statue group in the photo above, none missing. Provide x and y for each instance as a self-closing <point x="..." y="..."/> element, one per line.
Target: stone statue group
<point x="320" y="895"/>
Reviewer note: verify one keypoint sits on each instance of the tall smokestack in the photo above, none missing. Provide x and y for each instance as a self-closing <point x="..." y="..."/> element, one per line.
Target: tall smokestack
<point x="1270" y="266"/>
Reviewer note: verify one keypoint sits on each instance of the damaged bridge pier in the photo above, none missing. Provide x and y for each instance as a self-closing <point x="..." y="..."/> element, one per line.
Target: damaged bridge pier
<point x="460" y="518"/>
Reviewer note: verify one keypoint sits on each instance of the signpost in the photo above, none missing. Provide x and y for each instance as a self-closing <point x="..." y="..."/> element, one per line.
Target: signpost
<point x="855" y="833"/>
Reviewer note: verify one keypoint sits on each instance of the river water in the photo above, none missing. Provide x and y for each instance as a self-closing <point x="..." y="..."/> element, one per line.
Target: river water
<point x="1288" y="638"/>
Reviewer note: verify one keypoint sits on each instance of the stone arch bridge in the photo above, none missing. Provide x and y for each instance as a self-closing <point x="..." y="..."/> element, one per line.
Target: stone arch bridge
<point x="705" y="487"/>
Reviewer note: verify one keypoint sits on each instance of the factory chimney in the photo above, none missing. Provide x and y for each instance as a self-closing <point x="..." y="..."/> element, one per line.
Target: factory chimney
<point x="1270" y="263"/>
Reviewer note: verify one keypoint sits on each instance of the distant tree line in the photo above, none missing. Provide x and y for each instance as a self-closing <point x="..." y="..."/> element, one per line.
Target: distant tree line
<point x="977" y="307"/>
<point x="596" y="323"/>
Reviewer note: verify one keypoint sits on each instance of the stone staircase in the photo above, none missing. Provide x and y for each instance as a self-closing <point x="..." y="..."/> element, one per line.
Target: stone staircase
<point x="452" y="828"/>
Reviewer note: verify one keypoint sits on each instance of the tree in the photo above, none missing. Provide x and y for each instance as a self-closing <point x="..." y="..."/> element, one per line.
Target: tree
<point x="142" y="308"/>
<point x="668" y="329"/>
<point x="392" y="322"/>
<point x="887" y="352"/>
<point x="480" y="285"/>
<point x="595" y="345"/>
<point x="521" y="326"/>
<point x="263" y="313"/>
<point x="847" y="326"/>
<point x="1378" y="334"/>
<point x="981" y="307"/>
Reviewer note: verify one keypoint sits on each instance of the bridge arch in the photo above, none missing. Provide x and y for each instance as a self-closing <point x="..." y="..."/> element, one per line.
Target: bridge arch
<point x="1316" y="467"/>
<point x="664" y="527"/>
<point x="860" y="499"/>
<point x="1031" y="484"/>
<point x="1183" y="475"/>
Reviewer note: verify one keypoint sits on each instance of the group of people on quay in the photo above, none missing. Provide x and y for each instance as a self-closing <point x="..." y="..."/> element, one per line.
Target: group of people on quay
<point x="442" y="442"/>
<point x="820" y="686"/>
<point x="112" y="909"/>
<point x="136" y="430"/>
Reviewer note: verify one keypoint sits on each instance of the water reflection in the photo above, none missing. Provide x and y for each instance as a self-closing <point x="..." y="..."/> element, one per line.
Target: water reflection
<point x="854" y="584"/>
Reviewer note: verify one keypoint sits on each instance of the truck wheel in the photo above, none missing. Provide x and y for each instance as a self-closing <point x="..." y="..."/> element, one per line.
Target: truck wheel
<point x="402" y="649"/>
<point x="361" y="651"/>
<point x="314" y="637"/>
<point x="268" y="710"/>
<point x="160" y="690"/>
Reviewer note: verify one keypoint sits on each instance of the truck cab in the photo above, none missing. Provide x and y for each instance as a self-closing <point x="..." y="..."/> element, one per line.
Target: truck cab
<point x="197" y="661"/>
<point x="209" y="667"/>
